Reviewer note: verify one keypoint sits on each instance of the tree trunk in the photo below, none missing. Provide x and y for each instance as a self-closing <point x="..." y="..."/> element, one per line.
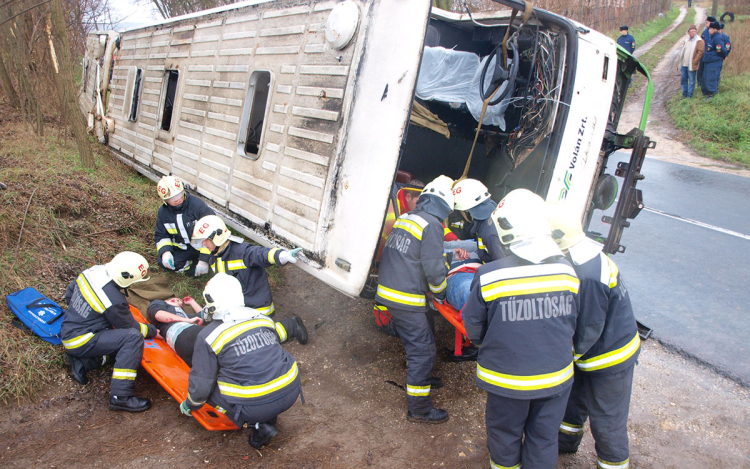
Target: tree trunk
<point x="7" y="84"/>
<point x="66" y="85"/>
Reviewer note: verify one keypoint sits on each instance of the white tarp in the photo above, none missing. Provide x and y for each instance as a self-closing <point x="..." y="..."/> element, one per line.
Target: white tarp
<point x="494" y="114"/>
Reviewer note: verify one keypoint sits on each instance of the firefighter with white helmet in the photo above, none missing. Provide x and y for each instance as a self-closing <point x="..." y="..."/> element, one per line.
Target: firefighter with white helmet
<point x="244" y="261"/>
<point x="606" y="349"/>
<point x="473" y="198"/>
<point x="174" y="224"/>
<point x="239" y="366"/>
<point x="411" y="268"/>
<point x="97" y="303"/>
<point x="522" y="312"/>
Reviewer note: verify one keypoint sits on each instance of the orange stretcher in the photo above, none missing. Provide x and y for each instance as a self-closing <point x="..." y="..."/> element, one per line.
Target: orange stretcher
<point x="172" y="372"/>
<point x="454" y="317"/>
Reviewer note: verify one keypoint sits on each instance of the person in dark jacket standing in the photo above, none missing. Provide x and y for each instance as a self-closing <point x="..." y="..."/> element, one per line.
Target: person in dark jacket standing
<point x="705" y="36"/>
<point x="605" y="352"/>
<point x="174" y="224"/>
<point x="413" y="267"/>
<point x="96" y="304"/>
<point x="522" y="313"/>
<point x="713" y="59"/>
<point x="626" y="40"/>
<point x="239" y="366"/>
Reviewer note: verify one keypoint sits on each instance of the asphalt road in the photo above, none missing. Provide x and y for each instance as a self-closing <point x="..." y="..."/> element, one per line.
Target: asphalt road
<point x="687" y="261"/>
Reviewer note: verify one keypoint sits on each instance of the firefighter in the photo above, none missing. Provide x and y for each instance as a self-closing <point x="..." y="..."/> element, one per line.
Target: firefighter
<point x="174" y="224"/>
<point x="97" y="303"/>
<point x="245" y="261"/>
<point x="606" y="350"/>
<point x="522" y="313"/>
<point x="411" y="268"/>
<point x="239" y="366"/>
<point x="473" y="197"/>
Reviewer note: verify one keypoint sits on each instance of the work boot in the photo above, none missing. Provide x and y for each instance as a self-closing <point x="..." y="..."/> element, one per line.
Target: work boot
<point x="432" y="416"/>
<point x="301" y="330"/>
<point x="435" y="382"/>
<point x="129" y="403"/>
<point x="78" y="368"/>
<point x="262" y="435"/>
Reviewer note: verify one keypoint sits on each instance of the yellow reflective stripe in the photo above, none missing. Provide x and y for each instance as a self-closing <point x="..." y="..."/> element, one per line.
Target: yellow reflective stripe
<point x="89" y="295"/>
<point x="190" y="399"/>
<point x="494" y="465"/>
<point x="76" y="342"/>
<point x="204" y="250"/>
<point x="172" y="230"/>
<point x="401" y="297"/>
<point x="144" y="330"/>
<point x="235" y="390"/>
<point x="417" y="390"/>
<point x="267" y="310"/>
<point x="281" y="331"/>
<point x="525" y="383"/>
<point x="220" y="266"/>
<point x="272" y="255"/>
<point x="164" y="242"/>
<point x="410" y="226"/>
<point x="439" y="288"/>
<point x="446" y="231"/>
<point x="530" y="286"/>
<point x="229" y="334"/>
<point x="480" y="243"/>
<point x="615" y="357"/>
<point x="220" y="409"/>
<point x="571" y="429"/>
<point x="612" y="465"/>
<point x="124" y="373"/>
<point x="613" y="271"/>
<point x="238" y="264"/>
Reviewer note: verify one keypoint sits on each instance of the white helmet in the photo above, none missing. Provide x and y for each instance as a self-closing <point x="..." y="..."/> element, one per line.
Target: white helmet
<point x="169" y="186"/>
<point x="566" y="227"/>
<point x="222" y="292"/>
<point x="523" y="224"/>
<point x="127" y="268"/>
<point x="440" y="187"/>
<point x="468" y="193"/>
<point x="210" y="227"/>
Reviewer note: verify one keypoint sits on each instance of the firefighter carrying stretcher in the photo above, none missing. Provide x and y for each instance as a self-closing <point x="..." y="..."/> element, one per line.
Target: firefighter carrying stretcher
<point x="412" y="268"/>
<point x="239" y="367"/>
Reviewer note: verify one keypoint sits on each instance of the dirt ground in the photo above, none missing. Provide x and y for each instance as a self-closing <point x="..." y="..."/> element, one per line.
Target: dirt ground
<point x="669" y="140"/>
<point x="682" y="415"/>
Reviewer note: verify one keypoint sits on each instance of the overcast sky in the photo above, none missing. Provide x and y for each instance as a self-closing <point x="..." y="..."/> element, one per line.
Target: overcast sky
<point x="133" y="13"/>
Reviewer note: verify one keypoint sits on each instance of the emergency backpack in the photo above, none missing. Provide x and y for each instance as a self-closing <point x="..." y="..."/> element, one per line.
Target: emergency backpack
<point x="38" y="313"/>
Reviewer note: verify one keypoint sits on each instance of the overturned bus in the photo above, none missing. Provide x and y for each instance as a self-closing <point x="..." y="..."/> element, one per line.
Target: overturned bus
<point x="293" y="118"/>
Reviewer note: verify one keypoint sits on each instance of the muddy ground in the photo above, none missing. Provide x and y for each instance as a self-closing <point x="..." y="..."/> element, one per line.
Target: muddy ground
<point x="683" y="415"/>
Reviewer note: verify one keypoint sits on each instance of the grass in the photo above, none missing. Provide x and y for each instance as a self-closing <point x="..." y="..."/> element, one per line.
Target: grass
<point x="647" y="31"/>
<point x="720" y="128"/>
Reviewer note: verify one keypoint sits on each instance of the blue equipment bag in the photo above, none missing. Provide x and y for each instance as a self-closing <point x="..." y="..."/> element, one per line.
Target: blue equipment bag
<point x="40" y="314"/>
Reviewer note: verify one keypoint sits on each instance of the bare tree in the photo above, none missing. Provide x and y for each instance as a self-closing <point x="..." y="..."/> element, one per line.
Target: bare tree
<point x="171" y="8"/>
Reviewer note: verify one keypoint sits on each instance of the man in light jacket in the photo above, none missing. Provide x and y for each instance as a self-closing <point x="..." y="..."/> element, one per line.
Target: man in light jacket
<point x="690" y="60"/>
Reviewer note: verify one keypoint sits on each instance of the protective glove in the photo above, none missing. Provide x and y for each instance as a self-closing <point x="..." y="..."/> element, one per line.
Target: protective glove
<point x="289" y="256"/>
<point x="167" y="260"/>
<point x="201" y="268"/>
<point x="185" y="409"/>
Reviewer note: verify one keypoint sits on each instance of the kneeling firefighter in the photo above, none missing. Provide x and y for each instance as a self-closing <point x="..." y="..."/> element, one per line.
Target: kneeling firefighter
<point x="412" y="267"/>
<point x="522" y="312"/>
<point x="239" y="367"/>
<point x="473" y="197"/>
<point x="606" y="351"/>
<point x="97" y="303"/>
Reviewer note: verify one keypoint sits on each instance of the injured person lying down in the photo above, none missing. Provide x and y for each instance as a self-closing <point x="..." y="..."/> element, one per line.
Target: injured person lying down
<point x="178" y="328"/>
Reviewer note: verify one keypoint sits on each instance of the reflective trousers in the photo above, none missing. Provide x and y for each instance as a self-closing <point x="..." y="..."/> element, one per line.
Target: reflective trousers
<point x="126" y="345"/>
<point x="605" y="399"/>
<point x="524" y="432"/>
<point x="419" y="342"/>
<point x="252" y="414"/>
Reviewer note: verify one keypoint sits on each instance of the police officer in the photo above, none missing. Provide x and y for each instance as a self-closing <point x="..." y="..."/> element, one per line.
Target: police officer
<point x="725" y="40"/>
<point x="174" y="224"/>
<point x="522" y="313"/>
<point x="606" y="347"/>
<point x="472" y="196"/>
<point x="705" y="34"/>
<point x="626" y="40"/>
<point x="713" y="60"/>
<point x="412" y="267"/>
<point x="96" y="304"/>
<point x="239" y="366"/>
<point x="248" y="263"/>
